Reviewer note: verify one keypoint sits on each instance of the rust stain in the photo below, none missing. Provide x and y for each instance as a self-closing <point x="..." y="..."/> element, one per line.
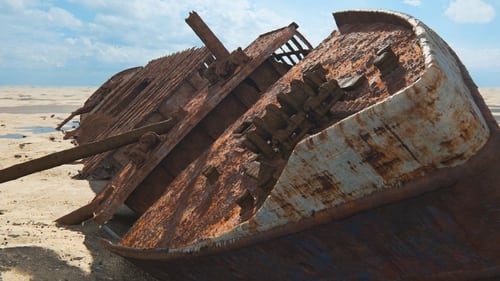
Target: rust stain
<point x="326" y="182"/>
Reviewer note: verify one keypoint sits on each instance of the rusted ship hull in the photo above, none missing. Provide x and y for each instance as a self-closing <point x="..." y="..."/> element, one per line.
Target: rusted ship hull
<point x="406" y="189"/>
<point x="448" y="233"/>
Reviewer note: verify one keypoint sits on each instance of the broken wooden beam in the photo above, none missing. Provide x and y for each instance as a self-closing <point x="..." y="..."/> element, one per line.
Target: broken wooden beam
<point x="207" y="36"/>
<point x="82" y="151"/>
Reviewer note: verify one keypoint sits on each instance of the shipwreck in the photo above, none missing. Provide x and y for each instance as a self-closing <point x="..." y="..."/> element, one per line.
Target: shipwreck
<point x="369" y="157"/>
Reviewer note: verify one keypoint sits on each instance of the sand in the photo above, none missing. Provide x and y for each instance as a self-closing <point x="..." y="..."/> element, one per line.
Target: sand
<point x="32" y="246"/>
<point x="492" y="98"/>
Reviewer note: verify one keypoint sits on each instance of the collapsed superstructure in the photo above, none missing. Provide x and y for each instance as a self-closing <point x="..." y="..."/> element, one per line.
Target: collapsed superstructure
<point x="205" y="90"/>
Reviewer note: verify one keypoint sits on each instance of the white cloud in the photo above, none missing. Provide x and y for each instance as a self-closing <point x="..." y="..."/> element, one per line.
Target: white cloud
<point x="33" y="34"/>
<point x="116" y="33"/>
<point x="155" y="22"/>
<point x="413" y="2"/>
<point x="17" y="5"/>
<point x="63" y="18"/>
<point x="470" y="11"/>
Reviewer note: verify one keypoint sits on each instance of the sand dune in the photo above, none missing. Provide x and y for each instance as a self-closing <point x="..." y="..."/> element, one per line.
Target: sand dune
<point x="32" y="247"/>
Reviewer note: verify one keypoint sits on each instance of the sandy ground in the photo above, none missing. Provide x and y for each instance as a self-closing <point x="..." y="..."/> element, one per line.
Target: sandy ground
<point x="492" y="98"/>
<point x="32" y="247"/>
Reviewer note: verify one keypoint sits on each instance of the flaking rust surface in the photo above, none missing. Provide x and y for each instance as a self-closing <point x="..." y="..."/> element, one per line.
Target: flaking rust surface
<point x="193" y="209"/>
<point x="140" y="97"/>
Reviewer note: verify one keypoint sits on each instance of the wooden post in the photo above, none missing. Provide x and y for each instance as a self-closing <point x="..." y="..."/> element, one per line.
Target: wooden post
<point x="82" y="151"/>
<point x="207" y="36"/>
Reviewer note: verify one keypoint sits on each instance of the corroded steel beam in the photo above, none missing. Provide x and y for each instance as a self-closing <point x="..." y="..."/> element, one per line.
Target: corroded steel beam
<point x="207" y="36"/>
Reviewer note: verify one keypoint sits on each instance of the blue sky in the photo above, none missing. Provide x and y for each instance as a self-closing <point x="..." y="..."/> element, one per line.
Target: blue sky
<point x="84" y="42"/>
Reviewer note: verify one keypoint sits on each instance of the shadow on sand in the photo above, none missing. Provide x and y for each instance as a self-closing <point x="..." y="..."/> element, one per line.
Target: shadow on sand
<point x="38" y="264"/>
<point x="42" y="264"/>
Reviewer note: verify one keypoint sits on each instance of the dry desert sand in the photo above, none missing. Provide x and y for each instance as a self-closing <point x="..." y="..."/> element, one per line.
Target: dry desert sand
<point x="32" y="246"/>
